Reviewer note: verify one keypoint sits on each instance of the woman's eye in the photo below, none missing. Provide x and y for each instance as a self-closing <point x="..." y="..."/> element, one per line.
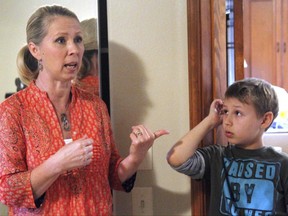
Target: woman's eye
<point x="78" y="39"/>
<point x="60" y="40"/>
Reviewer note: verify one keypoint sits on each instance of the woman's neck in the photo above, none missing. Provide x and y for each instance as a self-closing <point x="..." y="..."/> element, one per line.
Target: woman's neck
<point x="60" y="97"/>
<point x="58" y="92"/>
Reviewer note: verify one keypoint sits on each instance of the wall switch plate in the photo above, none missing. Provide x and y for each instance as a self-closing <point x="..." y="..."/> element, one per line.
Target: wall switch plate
<point x="142" y="201"/>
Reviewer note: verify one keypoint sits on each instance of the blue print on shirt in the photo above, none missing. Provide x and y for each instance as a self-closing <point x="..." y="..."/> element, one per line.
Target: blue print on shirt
<point x="249" y="187"/>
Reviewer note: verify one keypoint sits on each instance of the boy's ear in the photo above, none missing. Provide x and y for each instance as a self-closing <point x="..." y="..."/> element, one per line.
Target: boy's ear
<point x="267" y="120"/>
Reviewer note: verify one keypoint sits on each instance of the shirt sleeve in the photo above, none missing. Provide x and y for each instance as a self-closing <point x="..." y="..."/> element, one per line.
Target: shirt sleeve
<point x="115" y="158"/>
<point x="193" y="167"/>
<point x="15" y="186"/>
<point x="129" y="183"/>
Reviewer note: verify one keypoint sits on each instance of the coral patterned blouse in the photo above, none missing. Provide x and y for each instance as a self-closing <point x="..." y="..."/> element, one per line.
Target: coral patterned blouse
<point x="91" y="84"/>
<point x="30" y="133"/>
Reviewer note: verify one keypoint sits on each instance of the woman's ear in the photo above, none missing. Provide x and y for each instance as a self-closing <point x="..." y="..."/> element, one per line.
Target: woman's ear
<point x="34" y="50"/>
<point x="267" y="120"/>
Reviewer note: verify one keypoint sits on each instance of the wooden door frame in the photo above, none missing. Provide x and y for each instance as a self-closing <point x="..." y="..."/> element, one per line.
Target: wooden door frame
<point x="238" y="39"/>
<point x="207" y="74"/>
<point x="196" y="90"/>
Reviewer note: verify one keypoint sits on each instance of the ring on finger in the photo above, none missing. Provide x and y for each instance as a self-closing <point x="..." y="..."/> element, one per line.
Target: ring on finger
<point x="87" y="158"/>
<point x="138" y="133"/>
<point x="155" y="136"/>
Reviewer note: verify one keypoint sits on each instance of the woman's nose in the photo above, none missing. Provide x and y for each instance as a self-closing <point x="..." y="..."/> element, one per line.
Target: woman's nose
<point x="75" y="48"/>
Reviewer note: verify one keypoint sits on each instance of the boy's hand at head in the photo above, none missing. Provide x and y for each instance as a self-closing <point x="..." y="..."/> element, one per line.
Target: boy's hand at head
<point x="215" y="113"/>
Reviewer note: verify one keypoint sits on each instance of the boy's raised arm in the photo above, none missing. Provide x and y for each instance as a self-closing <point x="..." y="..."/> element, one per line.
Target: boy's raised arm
<point x="184" y="148"/>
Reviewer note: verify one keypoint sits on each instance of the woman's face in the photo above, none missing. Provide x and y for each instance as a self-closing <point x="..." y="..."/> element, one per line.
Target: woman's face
<point x="62" y="49"/>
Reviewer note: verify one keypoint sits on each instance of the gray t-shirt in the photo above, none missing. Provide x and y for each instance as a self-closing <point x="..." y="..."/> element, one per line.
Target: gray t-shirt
<point x="242" y="182"/>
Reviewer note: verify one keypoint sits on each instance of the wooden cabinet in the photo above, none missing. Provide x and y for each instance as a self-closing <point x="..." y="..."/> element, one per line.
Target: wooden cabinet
<point x="284" y="27"/>
<point x="265" y="35"/>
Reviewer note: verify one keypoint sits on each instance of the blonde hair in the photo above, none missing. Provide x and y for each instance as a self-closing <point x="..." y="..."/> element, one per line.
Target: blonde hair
<point x="36" y="30"/>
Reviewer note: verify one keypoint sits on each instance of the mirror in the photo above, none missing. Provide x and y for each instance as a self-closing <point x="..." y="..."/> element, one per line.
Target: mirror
<point x="13" y="19"/>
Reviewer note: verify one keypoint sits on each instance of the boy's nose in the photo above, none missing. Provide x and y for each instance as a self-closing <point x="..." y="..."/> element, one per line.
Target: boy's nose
<point x="227" y="120"/>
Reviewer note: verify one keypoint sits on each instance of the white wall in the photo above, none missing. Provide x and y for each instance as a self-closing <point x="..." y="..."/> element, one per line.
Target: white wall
<point x="14" y="15"/>
<point x="149" y="85"/>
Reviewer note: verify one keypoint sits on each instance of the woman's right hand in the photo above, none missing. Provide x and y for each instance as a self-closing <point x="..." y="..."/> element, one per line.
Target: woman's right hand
<point x="75" y="154"/>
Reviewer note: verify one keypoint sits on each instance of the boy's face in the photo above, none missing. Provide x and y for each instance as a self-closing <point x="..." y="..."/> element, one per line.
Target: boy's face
<point x="241" y="124"/>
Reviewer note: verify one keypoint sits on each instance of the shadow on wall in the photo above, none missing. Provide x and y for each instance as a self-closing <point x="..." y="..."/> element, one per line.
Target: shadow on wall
<point x="129" y="82"/>
<point x="129" y="100"/>
<point x="168" y="202"/>
<point x="130" y="105"/>
<point x="165" y="202"/>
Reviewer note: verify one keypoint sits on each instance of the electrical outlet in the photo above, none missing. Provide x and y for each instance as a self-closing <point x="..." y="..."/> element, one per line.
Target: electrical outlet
<point x="142" y="201"/>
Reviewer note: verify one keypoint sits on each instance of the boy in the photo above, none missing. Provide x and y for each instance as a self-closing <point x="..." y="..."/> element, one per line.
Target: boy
<point x="246" y="177"/>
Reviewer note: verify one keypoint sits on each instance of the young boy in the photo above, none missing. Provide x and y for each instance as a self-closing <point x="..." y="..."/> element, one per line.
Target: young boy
<point x="246" y="177"/>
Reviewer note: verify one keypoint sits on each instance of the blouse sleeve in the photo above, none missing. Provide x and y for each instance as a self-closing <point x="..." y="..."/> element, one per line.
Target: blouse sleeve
<point x="115" y="159"/>
<point x="15" y="186"/>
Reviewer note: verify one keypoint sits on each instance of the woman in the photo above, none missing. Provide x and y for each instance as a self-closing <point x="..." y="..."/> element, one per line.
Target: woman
<point x="88" y="78"/>
<point x="57" y="152"/>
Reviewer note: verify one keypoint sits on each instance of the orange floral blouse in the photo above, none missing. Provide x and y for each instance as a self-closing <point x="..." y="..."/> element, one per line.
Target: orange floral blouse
<point x="90" y="84"/>
<point x="30" y="133"/>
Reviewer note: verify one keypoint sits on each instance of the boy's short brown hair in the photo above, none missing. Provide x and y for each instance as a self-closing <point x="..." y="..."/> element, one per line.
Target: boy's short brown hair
<point x="257" y="92"/>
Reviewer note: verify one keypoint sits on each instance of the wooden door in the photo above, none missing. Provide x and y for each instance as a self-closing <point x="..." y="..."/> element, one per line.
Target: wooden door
<point x="262" y="39"/>
<point x="284" y="60"/>
<point x="207" y="75"/>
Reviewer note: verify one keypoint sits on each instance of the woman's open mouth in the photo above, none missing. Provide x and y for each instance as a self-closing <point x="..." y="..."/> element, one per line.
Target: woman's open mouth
<point x="71" y="66"/>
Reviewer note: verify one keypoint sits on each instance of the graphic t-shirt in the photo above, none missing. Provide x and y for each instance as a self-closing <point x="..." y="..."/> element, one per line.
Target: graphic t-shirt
<point x="246" y="182"/>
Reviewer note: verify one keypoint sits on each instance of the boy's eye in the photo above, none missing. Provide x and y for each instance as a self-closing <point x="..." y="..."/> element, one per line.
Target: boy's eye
<point x="224" y="112"/>
<point x="238" y="113"/>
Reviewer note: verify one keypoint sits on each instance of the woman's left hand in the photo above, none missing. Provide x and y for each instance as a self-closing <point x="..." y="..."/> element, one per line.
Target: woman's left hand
<point x="142" y="139"/>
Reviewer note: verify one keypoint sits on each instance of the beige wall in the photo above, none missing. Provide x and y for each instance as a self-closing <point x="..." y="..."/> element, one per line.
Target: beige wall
<point x="149" y="82"/>
<point x="149" y="85"/>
